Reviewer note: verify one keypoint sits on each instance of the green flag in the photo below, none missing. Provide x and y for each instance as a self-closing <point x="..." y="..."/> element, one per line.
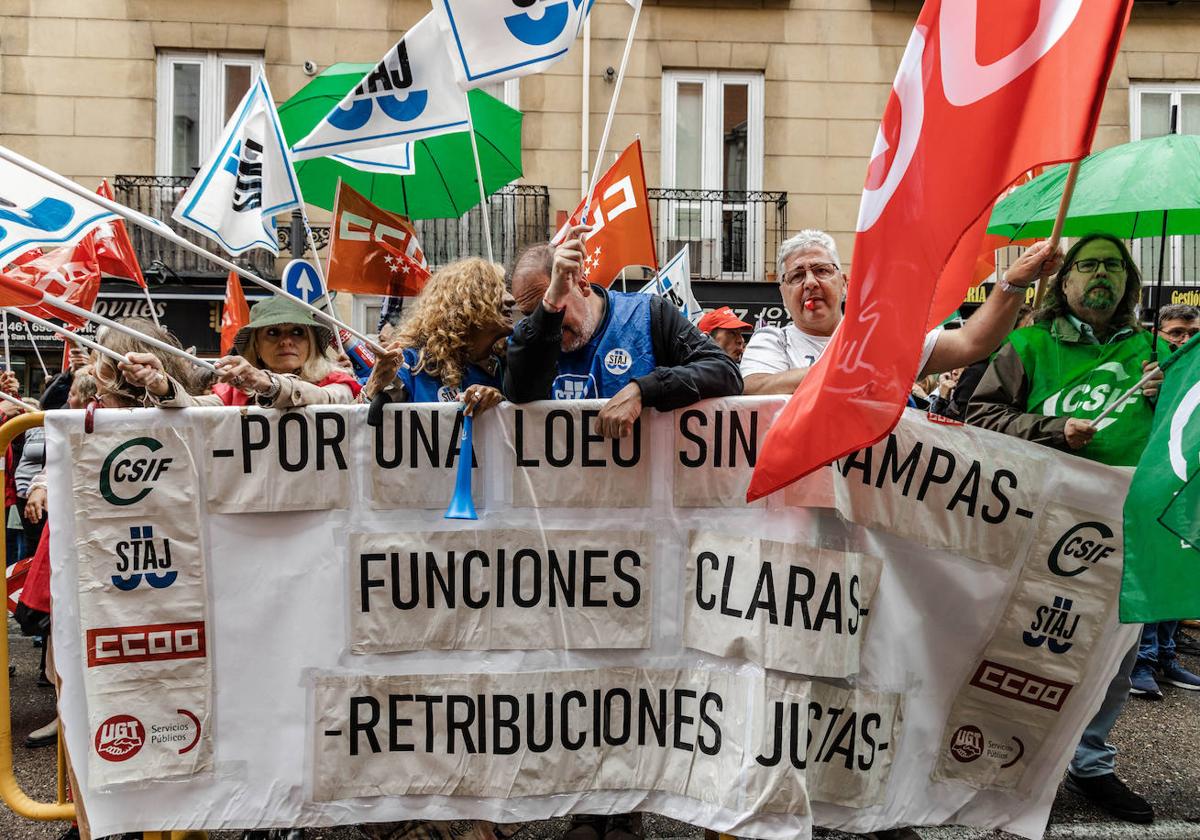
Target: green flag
<point x="1162" y="510"/>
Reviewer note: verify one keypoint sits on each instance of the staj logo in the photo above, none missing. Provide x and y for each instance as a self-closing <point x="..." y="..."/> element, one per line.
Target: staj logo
<point x="140" y="558"/>
<point x="543" y="23"/>
<point x="1054" y="626"/>
<point x="388" y="87"/>
<point x="120" y="738"/>
<point x="129" y="474"/>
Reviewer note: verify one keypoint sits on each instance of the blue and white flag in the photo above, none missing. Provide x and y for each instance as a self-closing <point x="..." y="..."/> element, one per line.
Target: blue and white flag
<point x="387" y="160"/>
<point x="236" y="195"/>
<point x="494" y="40"/>
<point x="674" y="282"/>
<point x="409" y="95"/>
<point x="36" y="213"/>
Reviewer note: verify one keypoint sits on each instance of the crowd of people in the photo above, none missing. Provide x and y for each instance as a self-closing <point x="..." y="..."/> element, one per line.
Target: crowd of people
<point x="478" y="335"/>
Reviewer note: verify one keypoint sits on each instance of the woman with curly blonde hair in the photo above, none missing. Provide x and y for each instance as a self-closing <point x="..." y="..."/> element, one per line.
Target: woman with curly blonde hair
<point x="447" y="349"/>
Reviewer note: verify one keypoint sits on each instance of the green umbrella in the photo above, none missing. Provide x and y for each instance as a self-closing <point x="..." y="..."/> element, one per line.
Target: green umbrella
<point x="443" y="186"/>
<point x="1125" y="191"/>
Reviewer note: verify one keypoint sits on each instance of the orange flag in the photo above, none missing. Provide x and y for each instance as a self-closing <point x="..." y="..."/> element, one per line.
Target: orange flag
<point x="235" y="314"/>
<point x="373" y="251"/>
<point x="622" y="233"/>
<point x="114" y="248"/>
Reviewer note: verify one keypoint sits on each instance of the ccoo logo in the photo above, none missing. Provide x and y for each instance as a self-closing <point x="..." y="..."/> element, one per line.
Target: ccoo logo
<point x="387" y="86"/>
<point x="129" y="474"/>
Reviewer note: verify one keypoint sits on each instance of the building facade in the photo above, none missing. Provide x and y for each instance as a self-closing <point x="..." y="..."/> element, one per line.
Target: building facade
<point x="756" y="117"/>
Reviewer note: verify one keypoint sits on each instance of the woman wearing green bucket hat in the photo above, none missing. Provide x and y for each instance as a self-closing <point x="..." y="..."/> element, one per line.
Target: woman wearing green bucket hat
<point x="282" y="362"/>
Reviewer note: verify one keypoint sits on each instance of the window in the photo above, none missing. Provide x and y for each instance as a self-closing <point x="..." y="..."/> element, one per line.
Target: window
<point x="712" y="141"/>
<point x="1151" y="105"/>
<point x="197" y="93"/>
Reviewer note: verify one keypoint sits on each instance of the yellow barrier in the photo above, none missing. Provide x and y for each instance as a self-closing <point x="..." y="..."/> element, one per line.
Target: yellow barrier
<point x="10" y="791"/>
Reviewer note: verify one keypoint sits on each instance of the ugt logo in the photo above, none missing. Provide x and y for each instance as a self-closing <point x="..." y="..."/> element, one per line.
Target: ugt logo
<point x="48" y="214"/>
<point x="131" y="470"/>
<point x="141" y="557"/>
<point x="246" y="165"/>
<point x="1053" y="626"/>
<point x="389" y="78"/>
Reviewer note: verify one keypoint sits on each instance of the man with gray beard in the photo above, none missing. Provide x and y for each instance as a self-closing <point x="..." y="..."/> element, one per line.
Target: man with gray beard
<point x="581" y="341"/>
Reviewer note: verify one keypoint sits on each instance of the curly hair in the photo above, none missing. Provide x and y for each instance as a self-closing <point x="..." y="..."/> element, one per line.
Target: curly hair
<point x="458" y="302"/>
<point x="105" y="370"/>
<point x="1125" y="315"/>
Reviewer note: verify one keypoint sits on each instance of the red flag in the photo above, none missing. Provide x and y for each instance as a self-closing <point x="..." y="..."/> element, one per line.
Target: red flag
<point x="622" y="233"/>
<point x="114" y="248"/>
<point x="984" y="92"/>
<point x="373" y="251"/>
<point x="70" y="273"/>
<point x="235" y="314"/>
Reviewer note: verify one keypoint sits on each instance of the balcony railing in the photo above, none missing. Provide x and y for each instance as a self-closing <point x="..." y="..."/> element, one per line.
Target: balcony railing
<point x="156" y="196"/>
<point x="729" y="235"/>
<point x="519" y="215"/>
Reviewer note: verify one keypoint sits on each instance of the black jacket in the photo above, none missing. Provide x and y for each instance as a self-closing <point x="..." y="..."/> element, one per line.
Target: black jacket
<point x="690" y="366"/>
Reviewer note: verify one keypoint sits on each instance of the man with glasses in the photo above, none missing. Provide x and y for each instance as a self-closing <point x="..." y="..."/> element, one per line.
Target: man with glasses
<point x="813" y="287"/>
<point x="1177" y="324"/>
<point x="1047" y="384"/>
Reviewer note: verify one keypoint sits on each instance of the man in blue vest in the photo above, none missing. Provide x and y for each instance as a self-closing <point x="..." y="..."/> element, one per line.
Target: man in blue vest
<point x="581" y="341"/>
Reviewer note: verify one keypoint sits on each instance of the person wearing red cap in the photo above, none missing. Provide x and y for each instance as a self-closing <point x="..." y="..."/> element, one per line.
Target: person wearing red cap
<point x="725" y="328"/>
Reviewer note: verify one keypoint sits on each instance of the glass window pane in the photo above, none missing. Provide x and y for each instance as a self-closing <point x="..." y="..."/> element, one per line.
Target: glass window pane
<point x="237" y="82"/>
<point x="1189" y="113"/>
<point x="689" y="145"/>
<point x="1156" y="114"/>
<point x="735" y="120"/>
<point x="1147" y="259"/>
<point x="185" y="119"/>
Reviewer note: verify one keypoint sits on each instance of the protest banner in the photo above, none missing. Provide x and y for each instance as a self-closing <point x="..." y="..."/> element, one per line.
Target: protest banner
<point x="917" y="634"/>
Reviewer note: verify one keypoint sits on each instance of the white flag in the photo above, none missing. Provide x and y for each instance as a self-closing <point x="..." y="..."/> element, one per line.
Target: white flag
<point x="247" y="181"/>
<point x="387" y="160"/>
<point x="491" y="40"/>
<point x="35" y="212"/>
<point x="409" y="95"/>
<point x="674" y="282"/>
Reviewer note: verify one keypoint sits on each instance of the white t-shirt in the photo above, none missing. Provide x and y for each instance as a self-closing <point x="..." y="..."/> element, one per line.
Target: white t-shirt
<point x="775" y="349"/>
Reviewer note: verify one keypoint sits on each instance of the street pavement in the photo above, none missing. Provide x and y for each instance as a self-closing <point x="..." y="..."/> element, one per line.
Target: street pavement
<point x="1159" y="757"/>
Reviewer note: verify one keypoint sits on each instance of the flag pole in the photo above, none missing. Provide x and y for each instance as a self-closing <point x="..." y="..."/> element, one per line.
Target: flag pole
<point x="1121" y="400"/>
<point x="483" y="202"/>
<point x="82" y="341"/>
<point x="7" y="397"/>
<point x="312" y="245"/>
<point x="33" y="343"/>
<point x="150" y="303"/>
<point x="156" y="226"/>
<point x="1063" y="206"/>
<point x="7" y="355"/>
<point x="612" y="109"/>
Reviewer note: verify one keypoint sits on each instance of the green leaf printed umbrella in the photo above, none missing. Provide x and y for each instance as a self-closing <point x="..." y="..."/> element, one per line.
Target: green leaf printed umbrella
<point x="443" y="185"/>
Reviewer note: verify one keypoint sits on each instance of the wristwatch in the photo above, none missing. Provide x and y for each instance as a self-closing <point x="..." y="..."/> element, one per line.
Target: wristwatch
<point x="272" y="392"/>
<point x="1011" y="288"/>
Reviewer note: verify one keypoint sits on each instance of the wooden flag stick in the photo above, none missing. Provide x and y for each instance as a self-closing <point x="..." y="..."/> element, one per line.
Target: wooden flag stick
<point x="1063" y="206"/>
<point x="160" y="228"/>
<point x="82" y="341"/>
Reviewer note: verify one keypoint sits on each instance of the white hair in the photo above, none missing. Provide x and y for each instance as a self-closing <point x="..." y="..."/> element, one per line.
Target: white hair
<point x="809" y="238"/>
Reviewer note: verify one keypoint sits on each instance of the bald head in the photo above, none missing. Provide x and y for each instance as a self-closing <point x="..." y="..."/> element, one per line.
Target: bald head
<point x="531" y="276"/>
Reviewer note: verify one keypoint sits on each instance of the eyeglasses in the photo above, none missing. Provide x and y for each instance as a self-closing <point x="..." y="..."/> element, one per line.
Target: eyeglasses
<point x="823" y="272"/>
<point x="1180" y="334"/>
<point x="278" y="333"/>
<point x="1114" y="265"/>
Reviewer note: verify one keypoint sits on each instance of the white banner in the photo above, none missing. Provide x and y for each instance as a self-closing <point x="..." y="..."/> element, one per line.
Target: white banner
<point x="916" y="635"/>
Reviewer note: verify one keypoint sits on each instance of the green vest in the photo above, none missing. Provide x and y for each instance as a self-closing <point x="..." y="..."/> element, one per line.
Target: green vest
<point x="1076" y="379"/>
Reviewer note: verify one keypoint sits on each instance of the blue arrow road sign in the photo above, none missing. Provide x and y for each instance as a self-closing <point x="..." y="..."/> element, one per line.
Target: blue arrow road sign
<point x="300" y="279"/>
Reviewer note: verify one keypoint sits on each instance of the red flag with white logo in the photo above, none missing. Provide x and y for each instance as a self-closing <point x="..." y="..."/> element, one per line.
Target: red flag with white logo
<point x="235" y="314"/>
<point x="984" y="92"/>
<point x="71" y="273"/>
<point x="114" y="248"/>
<point x="373" y="251"/>
<point x="622" y="233"/>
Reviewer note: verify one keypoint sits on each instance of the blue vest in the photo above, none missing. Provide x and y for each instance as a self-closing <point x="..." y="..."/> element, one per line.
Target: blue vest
<point x="421" y="387"/>
<point x="619" y="352"/>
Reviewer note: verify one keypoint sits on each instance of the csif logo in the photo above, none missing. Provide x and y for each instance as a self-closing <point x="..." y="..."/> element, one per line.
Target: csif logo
<point x="1079" y="549"/>
<point x="386" y="86"/>
<point x="140" y="558"/>
<point x="129" y="473"/>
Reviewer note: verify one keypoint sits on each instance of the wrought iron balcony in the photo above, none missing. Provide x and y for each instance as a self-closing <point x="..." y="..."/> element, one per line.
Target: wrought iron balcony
<point x="156" y="196"/>
<point x="729" y="235"/>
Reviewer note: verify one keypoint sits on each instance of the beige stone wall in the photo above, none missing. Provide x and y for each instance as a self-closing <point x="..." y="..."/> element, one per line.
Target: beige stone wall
<point x="77" y="78"/>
